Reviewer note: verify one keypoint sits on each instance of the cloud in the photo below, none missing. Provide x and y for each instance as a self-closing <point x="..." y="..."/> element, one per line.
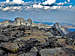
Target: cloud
<point x="68" y="0"/>
<point x="49" y="2"/>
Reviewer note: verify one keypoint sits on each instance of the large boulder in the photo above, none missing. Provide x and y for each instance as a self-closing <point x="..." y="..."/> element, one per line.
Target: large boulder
<point x="28" y="54"/>
<point x="2" y="52"/>
<point x="10" y="47"/>
<point x="51" y="52"/>
<point x="59" y="30"/>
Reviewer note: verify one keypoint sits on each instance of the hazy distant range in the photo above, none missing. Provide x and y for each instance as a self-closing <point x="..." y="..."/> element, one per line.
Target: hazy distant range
<point x="63" y="15"/>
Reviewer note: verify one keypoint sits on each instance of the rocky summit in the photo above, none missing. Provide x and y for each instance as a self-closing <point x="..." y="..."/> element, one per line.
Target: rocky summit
<point x="25" y="38"/>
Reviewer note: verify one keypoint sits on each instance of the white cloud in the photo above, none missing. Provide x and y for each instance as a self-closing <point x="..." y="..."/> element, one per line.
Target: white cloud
<point x="18" y="1"/>
<point x="49" y="2"/>
<point x="68" y="0"/>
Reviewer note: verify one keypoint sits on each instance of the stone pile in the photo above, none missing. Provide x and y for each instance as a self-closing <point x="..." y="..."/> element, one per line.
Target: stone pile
<point x="13" y="41"/>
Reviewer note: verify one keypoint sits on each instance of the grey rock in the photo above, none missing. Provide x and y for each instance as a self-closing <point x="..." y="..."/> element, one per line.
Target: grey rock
<point x="2" y="52"/>
<point x="34" y="49"/>
<point x="31" y="54"/>
<point x="49" y="52"/>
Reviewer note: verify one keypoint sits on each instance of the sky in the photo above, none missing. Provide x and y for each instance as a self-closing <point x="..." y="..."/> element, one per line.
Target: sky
<point x="72" y="1"/>
<point x="67" y="15"/>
